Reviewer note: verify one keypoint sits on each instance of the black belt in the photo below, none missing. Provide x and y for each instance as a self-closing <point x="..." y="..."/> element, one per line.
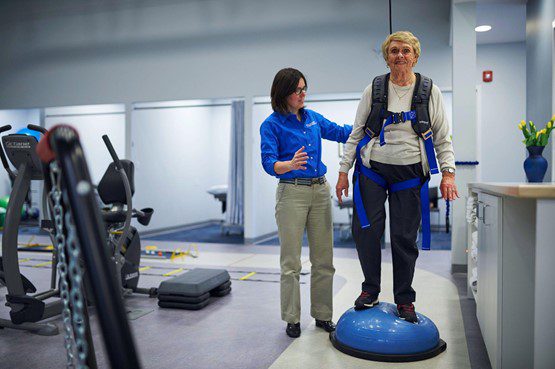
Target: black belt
<point x="304" y="181"/>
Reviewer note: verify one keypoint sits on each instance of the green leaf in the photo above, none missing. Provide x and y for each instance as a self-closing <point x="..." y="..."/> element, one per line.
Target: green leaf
<point x="532" y="128"/>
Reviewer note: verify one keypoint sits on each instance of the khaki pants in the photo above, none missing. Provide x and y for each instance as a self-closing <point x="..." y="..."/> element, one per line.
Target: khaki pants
<point x="298" y="208"/>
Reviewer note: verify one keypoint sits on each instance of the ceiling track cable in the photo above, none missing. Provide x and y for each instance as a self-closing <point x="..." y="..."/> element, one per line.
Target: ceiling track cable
<point x="390" y="27"/>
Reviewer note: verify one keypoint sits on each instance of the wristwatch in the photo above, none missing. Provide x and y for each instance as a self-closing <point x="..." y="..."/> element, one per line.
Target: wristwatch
<point x="449" y="170"/>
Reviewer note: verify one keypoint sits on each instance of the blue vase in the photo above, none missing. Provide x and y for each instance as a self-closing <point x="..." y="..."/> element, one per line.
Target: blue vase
<point x="535" y="164"/>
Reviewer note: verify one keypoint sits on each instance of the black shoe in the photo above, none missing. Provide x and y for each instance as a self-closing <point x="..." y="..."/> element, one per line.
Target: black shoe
<point x="366" y="301"/>
<point x="293" y="330"/>
<point x="406" y="312"/>
<point x="326" y="325"/>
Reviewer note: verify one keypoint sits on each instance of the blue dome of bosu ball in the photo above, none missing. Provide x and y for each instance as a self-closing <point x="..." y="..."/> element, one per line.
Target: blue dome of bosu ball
<point x="379" y="334"/>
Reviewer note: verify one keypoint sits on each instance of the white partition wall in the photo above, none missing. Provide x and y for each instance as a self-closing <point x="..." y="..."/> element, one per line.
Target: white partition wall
<point x="264" y="185"/>
<point x="180" y="149"/>
<point x="341" y="110"/>
<point x="93" y="121"/>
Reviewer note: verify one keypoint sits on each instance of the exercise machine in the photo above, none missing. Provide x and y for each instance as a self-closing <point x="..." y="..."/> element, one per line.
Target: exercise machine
<point x="67" y="178"/>
<point x="116" y="189"/>
<point x="27" y="307"/>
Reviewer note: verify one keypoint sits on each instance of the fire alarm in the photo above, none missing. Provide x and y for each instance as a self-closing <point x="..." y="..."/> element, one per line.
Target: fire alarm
<point x="487" y="76"/>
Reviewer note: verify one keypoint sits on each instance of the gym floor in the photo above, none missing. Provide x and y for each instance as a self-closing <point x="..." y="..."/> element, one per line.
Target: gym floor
<point x="243" y="329"/>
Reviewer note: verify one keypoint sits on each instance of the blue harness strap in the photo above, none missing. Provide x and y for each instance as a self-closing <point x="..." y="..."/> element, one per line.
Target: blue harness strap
<point x="425" y="212"/>
<point x="395" y="118"/>
<point x="430" y="153"/>
<point x="391" y="188"/>
<point x="357" y="199"/>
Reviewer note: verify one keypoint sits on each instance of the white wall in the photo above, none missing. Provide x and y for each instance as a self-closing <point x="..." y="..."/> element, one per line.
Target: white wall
<point x="92" y="122"/>
<point x="179" y="152"/>
<point x="71" y="53"/>
<point x="503" y="106"/>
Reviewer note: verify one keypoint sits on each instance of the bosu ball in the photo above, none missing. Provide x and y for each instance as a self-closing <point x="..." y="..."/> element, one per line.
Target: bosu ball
<point x="379" y="334"/>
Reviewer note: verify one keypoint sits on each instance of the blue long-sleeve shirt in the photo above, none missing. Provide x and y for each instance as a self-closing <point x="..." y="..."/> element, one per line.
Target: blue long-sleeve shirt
<point x="282" y="135"/>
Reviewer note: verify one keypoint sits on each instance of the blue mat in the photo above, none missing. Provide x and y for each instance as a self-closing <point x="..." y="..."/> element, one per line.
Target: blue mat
<point x="210" y="233"/>
<point x="440" y="241"/>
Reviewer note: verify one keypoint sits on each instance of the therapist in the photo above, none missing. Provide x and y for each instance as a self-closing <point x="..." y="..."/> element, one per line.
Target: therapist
<point x="291" y="147"/>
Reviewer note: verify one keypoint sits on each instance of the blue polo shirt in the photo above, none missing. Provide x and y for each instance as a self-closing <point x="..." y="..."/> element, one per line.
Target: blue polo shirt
<point x="282" y="135"/>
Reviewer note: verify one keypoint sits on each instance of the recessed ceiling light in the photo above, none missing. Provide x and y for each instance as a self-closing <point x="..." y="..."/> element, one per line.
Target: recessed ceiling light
<point x="483" y="28"/>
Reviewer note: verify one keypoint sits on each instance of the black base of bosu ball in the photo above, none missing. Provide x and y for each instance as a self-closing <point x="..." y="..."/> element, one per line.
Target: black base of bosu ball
<point x="379" y="334"/>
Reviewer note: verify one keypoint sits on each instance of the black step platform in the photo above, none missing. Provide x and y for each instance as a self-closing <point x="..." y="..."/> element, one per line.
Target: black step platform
<point x="192" y="290"/>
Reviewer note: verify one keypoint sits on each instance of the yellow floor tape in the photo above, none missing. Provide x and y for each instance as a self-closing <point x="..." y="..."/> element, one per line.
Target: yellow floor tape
<point x="42" y="264"/>
<point x="173" y="272"/>
<point x="243" y="278"/>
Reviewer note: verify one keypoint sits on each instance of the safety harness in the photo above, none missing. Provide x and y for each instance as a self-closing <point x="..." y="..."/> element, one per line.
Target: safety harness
<point x="420" y="119"/>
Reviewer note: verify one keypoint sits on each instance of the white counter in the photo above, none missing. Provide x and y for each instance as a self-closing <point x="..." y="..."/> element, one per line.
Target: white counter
<point x="516" y="272"/>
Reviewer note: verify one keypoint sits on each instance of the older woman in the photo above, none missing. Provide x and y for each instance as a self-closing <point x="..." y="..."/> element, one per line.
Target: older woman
<point x="291" y="148"/>
<point x="399" y="122"/>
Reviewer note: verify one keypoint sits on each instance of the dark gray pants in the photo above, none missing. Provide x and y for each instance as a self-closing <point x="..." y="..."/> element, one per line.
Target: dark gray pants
<point x="404" y="213"/>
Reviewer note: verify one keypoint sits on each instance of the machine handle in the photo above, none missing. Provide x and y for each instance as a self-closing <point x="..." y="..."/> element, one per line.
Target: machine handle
<point x="37" y="128"/>
<point x="112" y="151"/>
<point x="5" y="128"/>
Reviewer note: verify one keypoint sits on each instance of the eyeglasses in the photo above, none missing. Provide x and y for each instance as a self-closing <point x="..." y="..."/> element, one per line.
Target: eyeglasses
<point x="299" y="90"/>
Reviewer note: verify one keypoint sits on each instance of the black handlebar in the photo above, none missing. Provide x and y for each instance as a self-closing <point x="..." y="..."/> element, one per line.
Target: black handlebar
<point x="37" y="128"/>
<point x="3" y="156"/>
<point x="112" y="151"/>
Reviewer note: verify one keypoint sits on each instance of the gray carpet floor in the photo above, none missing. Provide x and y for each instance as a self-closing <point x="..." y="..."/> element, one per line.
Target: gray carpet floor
<point x="241" y="330"/>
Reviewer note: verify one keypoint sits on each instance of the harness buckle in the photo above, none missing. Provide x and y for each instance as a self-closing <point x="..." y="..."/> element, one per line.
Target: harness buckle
<point x="398" y="117"/>
<point x="369" y="132"/>
<point x="427" y="134"/>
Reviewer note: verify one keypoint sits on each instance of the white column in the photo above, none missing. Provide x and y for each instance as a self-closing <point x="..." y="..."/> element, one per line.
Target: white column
<point x="463" y="20"/>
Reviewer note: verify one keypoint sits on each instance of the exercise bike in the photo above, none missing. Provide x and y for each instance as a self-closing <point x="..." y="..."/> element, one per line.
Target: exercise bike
<point x="116" y="189"/>
<point x="26" y="310"/>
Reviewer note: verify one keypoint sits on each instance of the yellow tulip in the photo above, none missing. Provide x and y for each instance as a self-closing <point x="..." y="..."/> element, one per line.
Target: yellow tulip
<point x="522" y="122"/>
<point x="543" y="131"/>
<point x="538" y="134"/>
<point x="550" y="124"/>
<point x="553" y="118"/>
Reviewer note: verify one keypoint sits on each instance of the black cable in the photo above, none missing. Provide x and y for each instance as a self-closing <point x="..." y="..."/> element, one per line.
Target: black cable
<point x="390" y="27"/>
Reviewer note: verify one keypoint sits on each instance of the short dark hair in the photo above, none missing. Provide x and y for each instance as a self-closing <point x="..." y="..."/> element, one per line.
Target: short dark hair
<point x="285" y="83"/>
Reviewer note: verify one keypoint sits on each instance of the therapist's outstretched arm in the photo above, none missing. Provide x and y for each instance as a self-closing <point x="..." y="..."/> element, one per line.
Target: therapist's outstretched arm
<point x="297" y="163"/>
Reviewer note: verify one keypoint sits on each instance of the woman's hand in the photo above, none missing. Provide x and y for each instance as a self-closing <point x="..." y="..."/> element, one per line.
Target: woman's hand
<point x="299" y="160"/>
<point x="448" y="187"/>
<point x="297" y="163"/>
<point x="342" y="186"/>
